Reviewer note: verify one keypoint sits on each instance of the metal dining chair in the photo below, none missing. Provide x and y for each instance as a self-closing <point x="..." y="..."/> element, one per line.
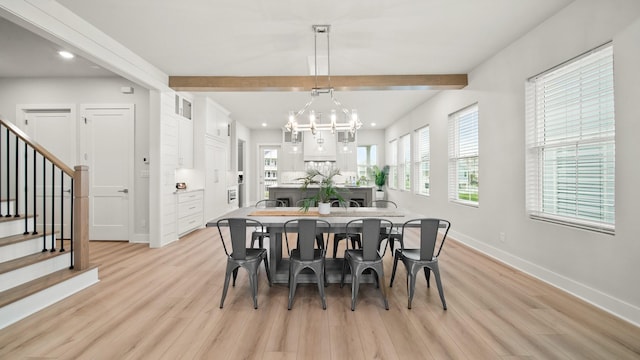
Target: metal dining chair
<point x="241" y="256"/>
<point x="424" y="257"/>
<point x="391" y="235"/>
<point x="367" y="257"/>
<point x="260" y="235"/>
<point x="306" y="255"/>
<point x="337" y="237"/>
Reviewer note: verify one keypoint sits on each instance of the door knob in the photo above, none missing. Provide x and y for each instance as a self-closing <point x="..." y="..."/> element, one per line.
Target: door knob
<point x="126" y="191"/>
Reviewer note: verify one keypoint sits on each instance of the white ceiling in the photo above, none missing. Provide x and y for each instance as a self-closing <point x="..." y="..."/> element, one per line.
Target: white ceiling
<point x="274" y="37"/>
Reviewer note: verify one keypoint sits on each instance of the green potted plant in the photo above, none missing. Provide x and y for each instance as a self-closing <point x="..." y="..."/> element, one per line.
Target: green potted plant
<point x="380" y="178"/>
<point x="327" y="190"/>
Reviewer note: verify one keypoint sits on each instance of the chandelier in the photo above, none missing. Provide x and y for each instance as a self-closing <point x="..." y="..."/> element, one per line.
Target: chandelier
<point x="339" y="119"/>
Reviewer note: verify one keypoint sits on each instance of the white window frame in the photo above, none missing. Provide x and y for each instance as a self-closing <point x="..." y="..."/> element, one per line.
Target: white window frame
<point x="371" y="155"/>
<point x="422" y="161"/>
<point x="570" y="124"/>
<point x="464" y="153"/>
<point x="404" y="162"/>
<point x="392" y="160"/>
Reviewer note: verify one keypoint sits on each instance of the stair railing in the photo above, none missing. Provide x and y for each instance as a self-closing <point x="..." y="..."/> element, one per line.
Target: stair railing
<point x="27" y="172"/>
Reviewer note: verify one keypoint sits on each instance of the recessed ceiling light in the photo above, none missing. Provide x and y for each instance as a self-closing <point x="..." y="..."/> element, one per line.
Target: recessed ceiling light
<point x="66" y="54"/>
<point x="373" y="124"/>
<point x="264" y="124"/>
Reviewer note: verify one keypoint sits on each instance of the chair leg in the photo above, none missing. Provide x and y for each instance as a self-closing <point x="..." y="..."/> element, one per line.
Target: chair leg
<point x="395" y="266"/>
<point x="320" y="280"/>
<point x="376" y="278"/>
<point x="253" y="282"/>
<point x="266" y="268"/>
<point x="411" y="279"/>
<point x="227" y="277"/>
<point x="344" y="270"/>
<point x="335" y="246"/>
<point x="235" y="275"/>
<point x="427" y="274"/>
<point x="293" y="282"/>
<point x="355" y="286"/>
<point x="379" y="271"/>
<point x="436" y="273"/>
<point x="356" y="241"/>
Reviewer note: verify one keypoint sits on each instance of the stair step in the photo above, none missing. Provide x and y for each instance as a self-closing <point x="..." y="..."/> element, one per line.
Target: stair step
<point x="22" y="291"/>
<point x="10" y="226"/>
<point x="24" y="261"/>
<point x="14" y="239"/>
<point x="13" y="218"/>
<point x="17" y="246"/>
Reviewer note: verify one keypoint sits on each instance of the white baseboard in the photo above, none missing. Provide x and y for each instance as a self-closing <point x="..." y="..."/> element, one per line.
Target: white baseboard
<point x="140" y="238"/>
<point x="614" y="306"/>
<point x="22" y="308"/>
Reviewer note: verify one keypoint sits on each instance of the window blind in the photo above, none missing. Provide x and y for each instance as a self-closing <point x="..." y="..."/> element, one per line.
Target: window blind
<point x="570" y="124"/>
<point x="422" y="161"/>
<point x="464" y="155"/>
<point x="392" y="160"/>
<point x="404" y="165"/>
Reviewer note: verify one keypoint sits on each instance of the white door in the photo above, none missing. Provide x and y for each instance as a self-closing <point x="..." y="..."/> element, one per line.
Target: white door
<point x="267" y="169"/>
<point x="55" y="130"/>
<point x="107" y="148"/>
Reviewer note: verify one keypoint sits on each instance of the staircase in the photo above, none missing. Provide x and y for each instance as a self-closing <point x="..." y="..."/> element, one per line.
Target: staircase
<point x="44" y="254"/>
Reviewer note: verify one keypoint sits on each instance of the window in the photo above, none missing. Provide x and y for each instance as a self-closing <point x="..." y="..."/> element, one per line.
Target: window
<point x="421" y="161"/>
<point x="392" y="160"/>
<point x="463" y="156"/>
<point x="366" y="157"/>
<point x="570" y="142"/>
<point x="404" y="165"/>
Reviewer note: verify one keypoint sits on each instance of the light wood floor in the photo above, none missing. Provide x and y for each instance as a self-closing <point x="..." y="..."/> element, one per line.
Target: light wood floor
<point x="163" y="304"/>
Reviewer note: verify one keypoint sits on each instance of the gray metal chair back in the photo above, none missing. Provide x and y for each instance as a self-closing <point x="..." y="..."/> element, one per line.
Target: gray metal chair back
<point x="429" y="229"/>
<point x="268" y="203"/>
<point x="369" y="228"/>
<point x="238" y="235"/>
<point x="345" y="204"/>
<point x="306" y="229"/>
<point x="300" y="203"/>
<point x="383" y="204"/>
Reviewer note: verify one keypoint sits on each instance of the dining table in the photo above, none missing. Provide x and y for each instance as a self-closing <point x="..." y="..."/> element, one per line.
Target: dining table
<point x="273" y="218"/>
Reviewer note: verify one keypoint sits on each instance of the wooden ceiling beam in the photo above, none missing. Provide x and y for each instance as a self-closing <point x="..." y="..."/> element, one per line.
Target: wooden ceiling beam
<point x="306" y="83"/>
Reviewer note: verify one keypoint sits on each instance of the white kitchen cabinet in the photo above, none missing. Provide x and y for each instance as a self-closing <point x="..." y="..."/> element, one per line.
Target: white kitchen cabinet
<point x="185" y="145"/>
<point x="190" y="211"/>
<point x="217" y="124"/>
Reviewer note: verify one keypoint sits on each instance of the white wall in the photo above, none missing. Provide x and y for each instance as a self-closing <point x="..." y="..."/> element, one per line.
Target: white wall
<point x="79" y="91"/>
<point x="599" y="268"/>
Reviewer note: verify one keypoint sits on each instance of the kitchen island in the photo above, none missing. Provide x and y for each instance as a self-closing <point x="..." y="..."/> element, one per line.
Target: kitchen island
<point x="364" y="195"/>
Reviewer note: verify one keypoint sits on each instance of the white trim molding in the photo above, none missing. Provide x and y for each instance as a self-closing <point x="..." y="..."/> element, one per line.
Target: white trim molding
<point x="608" y="303"/>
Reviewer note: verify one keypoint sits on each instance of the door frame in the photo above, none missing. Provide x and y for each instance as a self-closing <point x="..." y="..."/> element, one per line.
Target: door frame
<point x="83" y="147"/>
<point x="260" y="166"/>
<point x="22" y="109"/>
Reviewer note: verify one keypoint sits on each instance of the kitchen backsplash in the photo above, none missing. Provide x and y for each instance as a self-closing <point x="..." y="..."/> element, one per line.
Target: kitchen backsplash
<point x="289" y="177"/>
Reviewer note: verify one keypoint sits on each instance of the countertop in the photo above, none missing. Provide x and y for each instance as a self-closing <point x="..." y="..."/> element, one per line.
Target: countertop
<point x="178" y="191"/>
<point x="297" y="186"/>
